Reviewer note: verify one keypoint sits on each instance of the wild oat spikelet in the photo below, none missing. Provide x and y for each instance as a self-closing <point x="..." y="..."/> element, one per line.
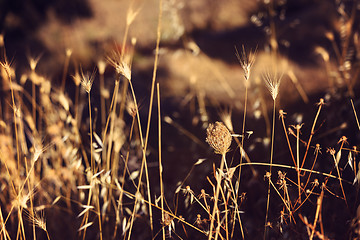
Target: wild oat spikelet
<point x="121" y="66"/>
<point x="246" y="61"/>
<point x="218" y="137"/>
<point x="87" y="81"/>
<point x="272" y="81"/>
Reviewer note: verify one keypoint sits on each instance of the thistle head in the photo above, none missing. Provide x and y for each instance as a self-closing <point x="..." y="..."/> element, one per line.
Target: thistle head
<point x="218" y="137"/>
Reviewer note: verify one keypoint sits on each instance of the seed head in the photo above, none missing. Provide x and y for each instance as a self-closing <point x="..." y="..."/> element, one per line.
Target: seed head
<point x="87" y="81"/>
<point x="246" y="61"/>
<point x="120" y="64"/>
<point x="272" y="81"/>
<point x="38" y="220"/>
<point x="218" y="137"/>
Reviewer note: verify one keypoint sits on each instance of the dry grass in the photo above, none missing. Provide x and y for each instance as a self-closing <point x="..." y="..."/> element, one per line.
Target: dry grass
<point x="62" y="158"/>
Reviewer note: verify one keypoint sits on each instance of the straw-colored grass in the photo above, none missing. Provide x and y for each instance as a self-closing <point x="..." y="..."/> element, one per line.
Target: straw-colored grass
<point x="62" y="159"/>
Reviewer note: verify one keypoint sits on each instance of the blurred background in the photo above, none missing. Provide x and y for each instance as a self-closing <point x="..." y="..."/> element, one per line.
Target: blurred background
<point x="198" y="39"/>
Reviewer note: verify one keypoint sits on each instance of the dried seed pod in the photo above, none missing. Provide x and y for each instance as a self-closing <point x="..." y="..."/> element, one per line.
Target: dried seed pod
<point x="218" y="137"/>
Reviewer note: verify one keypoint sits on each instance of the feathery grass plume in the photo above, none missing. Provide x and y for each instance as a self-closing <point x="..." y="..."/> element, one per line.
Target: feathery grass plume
<point x="225" y="116"/>
<point x="38" y="219"/>
<point x="87" y="80"/>
<point x="131" y="15"/>
<point x="121" y="66"/>
<point x="218" y="137"/>
<point x="77" y="78"/>
<point x="272" y="81"/>
<point x="7" y="66"/>
<point x="246" y="61"/>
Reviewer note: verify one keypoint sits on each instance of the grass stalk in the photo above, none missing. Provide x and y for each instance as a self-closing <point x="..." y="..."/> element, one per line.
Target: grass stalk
<point x="320" y="104"/>
<point x="156" y="61"/>
<point x="282" y="117"/>
<point x="336" y="161"/>
<point x="217" y="190"/>
<point x="143" y="162"/>
<point x="356" y="117"/>
<point x="317" y="150"/>
<point x="3" y="228"/>
<point x="270" y="169"/>
<point x="219" y="221"/>
<point x="317" y="213"/>
<point x="298" y="127"/>
<point x="160" y="161"/>
<point x="92" y="162"/>
<point x="126" y="164"/>
<point x="101" y="67"/>
<point x="65" y="69"/>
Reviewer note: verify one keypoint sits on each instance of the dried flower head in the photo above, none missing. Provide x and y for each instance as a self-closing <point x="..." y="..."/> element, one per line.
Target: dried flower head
<point x="218" y="137"/>
<point x="282" y="113"/>
<point x="331" y="151"/>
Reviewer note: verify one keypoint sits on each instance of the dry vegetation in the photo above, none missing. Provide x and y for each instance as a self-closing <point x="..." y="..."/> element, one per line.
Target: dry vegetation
<point x="86" y="159"/>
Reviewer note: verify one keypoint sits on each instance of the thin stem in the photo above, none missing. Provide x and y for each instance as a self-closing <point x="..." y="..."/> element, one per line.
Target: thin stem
<point x="34" y="102"/>
<point x="91" y="137"/>
<point x="218" y="185"/>
<point x="47" y="234"/>
<point x="338" y="172"/>
<point x="298" y="160"/>
<point x="357" y="120"/>
<point x="318" y="210"/>
<point x="287" y="138"/>
<point x="143" y="162"/>
<point x="243" y="134"/>
<point x="160" y="160"/>
<point x="328" y="175"/>
<point x="66" y="66"/>
<point x="102" y="99"/>
<point x="3" y="229"/>
<point x="242" y="151"/>
<point x="92" y="166"/>
<point x="112" y="116"/>
<point x="99" y="212"/>
<point x="270" y="168"/>
<point x="158" y="36"/>
<point x="312" y="167"/>
<point x="321" y="103"/>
